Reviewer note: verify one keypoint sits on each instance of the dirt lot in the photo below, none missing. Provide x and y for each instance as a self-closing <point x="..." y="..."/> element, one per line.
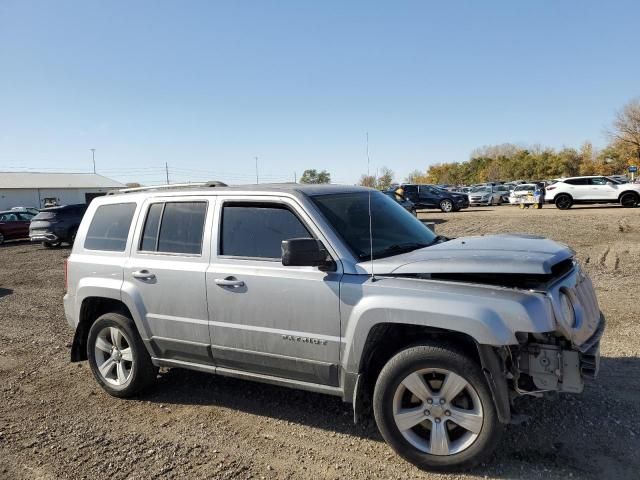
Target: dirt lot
<point x="55" y="422"/>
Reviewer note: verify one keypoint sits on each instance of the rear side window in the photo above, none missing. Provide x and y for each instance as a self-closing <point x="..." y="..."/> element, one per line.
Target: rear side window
<point x="577" y="181"/>
<point x="257" y="231"/>
<point x="109" y="227"/>
<point x="174" y="227"/>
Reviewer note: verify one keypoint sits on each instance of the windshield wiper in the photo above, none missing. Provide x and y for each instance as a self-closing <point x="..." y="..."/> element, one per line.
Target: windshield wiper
<point x="399" y="248"/>
<point x="439" y="239"/>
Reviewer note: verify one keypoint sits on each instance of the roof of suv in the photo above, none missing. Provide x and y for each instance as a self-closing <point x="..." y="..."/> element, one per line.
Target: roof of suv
<point x="308" y="190"/>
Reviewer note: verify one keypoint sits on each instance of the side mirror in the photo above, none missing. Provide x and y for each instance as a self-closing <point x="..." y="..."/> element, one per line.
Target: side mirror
<point x="611" y="184"/>
<point x="304" y="252"/>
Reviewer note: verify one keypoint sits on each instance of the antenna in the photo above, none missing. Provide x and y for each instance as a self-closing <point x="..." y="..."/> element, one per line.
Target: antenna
<point x="373" y="278"/>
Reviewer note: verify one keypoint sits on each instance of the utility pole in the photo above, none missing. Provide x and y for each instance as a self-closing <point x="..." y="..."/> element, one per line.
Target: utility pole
<point x="257" y="178"/>
<point x="166" y="170"/>
<point x="93" y="157"/>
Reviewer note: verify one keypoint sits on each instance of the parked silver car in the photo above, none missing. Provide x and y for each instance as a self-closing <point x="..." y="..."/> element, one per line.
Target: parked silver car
<point x="486" y="195"/>
<point x="298" y="286"/>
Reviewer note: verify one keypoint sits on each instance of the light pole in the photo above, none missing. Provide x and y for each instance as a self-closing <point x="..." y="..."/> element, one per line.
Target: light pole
<point x="93" y="157"/>
<point x="257" y="178"/>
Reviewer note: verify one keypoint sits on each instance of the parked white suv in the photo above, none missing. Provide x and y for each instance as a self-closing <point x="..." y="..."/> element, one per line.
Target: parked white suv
<point x="592" y="189"/>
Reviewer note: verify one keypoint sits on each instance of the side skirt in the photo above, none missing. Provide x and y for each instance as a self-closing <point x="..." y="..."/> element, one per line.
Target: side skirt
<point x="256" y="377"/>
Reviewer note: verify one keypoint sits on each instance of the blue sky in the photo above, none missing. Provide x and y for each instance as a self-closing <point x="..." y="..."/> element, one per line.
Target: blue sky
<point x="206" y="86"/>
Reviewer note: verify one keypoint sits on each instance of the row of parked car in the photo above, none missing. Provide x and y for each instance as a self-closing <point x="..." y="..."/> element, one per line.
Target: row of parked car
<point x="51" y="226"/>
<point x="563" y="192"/>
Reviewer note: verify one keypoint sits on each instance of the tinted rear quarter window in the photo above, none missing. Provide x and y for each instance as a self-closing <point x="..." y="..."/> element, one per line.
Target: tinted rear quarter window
<point x="577" y="181"/>
<point x="258" y="231"/>
<point x="109" y="227"/>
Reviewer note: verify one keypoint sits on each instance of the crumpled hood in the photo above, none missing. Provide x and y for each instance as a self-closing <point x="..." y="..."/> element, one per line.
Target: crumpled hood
<point x="508" y="253"/>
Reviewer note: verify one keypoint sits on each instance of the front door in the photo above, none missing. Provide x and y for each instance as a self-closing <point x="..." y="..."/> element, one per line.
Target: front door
<point x="428" y="197"/>
<point x="603" y="189"/>
<point x="266" y="318"/>
<point x="166" y="273"/>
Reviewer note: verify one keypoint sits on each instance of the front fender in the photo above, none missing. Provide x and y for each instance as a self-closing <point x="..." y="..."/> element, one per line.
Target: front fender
<point x="490" y="315"/>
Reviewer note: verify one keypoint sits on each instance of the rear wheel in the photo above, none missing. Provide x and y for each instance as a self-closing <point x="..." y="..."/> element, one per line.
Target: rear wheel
<point x="51" y="244"/>
<point x="446" y="205"/>
<point x="629" y="200"/>
<point x="1" y="238"/>
<point x="118" y="358"/>
<point x="563" y="201"/>
<point x="433" y="407"/>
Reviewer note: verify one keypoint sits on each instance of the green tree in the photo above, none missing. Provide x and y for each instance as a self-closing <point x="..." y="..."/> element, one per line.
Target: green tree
<point x="367" y="181"/>
<point x="385" y="179"/>
<point x="313" y="176"/>
<point x="626" y="128"/>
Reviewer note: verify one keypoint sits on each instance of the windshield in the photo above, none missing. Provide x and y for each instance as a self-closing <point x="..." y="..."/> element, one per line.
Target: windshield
<point x="480" y="189"/>
<point x="394" y="230"/>
<point x="525" y="187"/>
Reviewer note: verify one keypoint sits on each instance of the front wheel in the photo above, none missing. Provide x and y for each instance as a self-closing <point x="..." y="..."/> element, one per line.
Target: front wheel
<point x="433" y="407"/>
<point x="446" y="205"/>
<point x="117" y="357"/>
<point x="51" y="244"/>
<point x="629" y="200"/>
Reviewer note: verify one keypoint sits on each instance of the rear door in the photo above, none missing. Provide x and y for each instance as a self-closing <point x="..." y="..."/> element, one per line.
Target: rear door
<point x="267" y="318"/>
<point x="579" y="189"/>
<point x="166" y="273"/>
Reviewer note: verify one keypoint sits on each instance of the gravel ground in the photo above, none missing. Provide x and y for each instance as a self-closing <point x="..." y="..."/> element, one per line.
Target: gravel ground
<point x="55" y="422"/>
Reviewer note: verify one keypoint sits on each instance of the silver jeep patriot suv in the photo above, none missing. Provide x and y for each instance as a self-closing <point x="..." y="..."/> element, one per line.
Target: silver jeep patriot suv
<point x="300" y="286"/>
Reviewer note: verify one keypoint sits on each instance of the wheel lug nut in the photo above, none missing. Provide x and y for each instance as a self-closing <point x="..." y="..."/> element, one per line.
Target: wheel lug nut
<point x="447" y="413"/>
<point x="442" y="401"/>
<point x="437" y="420"/>
<point x="429" y="401"/>
<point x="427" y="413"/>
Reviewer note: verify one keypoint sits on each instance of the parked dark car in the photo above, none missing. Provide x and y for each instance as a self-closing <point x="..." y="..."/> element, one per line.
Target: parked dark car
<point x="429" y="196"/>
<point x="407" y="204"/>
<point x="55" y="225"/>
<point x="14" y="225"/>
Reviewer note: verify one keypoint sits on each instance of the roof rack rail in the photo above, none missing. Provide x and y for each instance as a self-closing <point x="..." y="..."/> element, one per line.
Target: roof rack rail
<point x="170" y="186"/>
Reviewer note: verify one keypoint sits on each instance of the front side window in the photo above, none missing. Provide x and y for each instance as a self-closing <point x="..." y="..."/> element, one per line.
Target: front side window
<point x="257" y="230"/>
<point x="174" y="227"/>
<point x="598" y="181"/>
<point x="393" y="229"/>
<point x="109" y="227"/>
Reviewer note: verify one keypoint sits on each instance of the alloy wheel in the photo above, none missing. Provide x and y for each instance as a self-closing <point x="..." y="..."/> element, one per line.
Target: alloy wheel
<point x="114" y="357"/>
<point x="446" y="206"/>
<point x="438" y="411"/>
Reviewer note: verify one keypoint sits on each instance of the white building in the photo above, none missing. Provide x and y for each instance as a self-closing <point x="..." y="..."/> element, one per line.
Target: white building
<point x="27" y="189"/>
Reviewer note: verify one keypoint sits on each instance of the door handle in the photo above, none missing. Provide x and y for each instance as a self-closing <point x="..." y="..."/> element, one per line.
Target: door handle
<point x="143" y="275"/>
<point x="229" y="282"/>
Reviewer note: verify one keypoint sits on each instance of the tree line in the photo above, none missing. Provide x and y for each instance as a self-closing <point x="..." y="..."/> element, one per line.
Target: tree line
<point x="516" y="162"/>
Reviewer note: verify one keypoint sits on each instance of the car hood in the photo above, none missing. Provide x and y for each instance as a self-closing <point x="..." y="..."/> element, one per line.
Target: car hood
<point x="508" y="254"/>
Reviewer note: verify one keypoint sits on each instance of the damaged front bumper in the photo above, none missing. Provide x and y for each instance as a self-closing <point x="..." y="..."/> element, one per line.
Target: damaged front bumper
<point x="561" y="367"/>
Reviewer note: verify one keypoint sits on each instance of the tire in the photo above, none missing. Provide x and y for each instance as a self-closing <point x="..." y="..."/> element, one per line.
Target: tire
<point x="521" y="206"/>
<point x="563" y="201"/>
<point x="1" y="238"/>
<point x="446" y="205"/>
<point x="51" y="244"/>
<point x="432" y="362"/>
<point x="113" y="338"/>
<point x="72" y="235"/>
<point x="629" y="200"/>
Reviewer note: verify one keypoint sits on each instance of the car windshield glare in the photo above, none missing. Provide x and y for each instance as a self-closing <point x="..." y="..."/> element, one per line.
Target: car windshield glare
<point x="393" y="229"/>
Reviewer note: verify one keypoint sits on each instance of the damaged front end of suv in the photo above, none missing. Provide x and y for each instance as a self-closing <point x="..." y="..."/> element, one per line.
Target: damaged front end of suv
<point x="558" y="358"/>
